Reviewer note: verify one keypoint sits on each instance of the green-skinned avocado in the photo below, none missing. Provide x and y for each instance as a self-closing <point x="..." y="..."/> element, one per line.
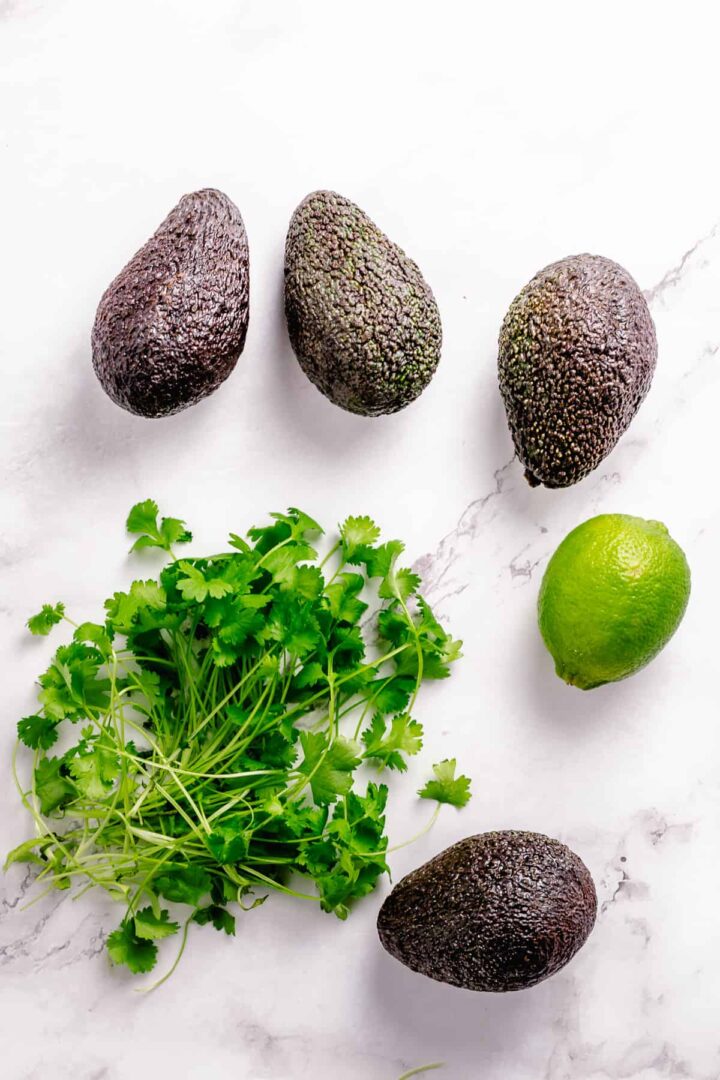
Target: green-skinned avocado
<point x="362" y="320"/>
<point x="495" y="912"/>
<point x="577" y="353"/>
<point x="170" y="328"/>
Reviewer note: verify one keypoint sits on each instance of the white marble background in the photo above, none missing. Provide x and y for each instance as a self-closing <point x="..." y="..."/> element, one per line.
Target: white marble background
<point x="488" y="140"/>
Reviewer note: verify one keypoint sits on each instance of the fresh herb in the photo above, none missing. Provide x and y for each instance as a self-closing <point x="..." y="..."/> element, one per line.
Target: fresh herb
<point x="48" y="616"/>
<point x="446" y="787"/>
<point x="224" y="711"/>
<point x="143" y="520"/>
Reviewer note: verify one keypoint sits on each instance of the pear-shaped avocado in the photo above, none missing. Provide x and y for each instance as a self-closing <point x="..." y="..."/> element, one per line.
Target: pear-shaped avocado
<point x="171" y="326"/>
<point x="577" y="356"/>
<point x="499" y="911"/>
<point x="362" y="320"/>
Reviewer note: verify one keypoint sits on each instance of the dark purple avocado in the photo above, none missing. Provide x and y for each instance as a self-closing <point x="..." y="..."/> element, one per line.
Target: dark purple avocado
<point x="577" y="353"/>
<point x="170" y="328"/>
<point x="495" y="912"/>
<point x="362" y="320"/>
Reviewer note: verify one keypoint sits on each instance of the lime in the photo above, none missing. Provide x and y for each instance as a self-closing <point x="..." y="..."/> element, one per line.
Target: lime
<point x="612" y="596"/>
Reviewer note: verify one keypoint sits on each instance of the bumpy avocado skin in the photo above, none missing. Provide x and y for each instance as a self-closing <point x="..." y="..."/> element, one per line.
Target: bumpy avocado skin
<point x="171" y="326"/>
<point x="576" y="358"/>
<point x="495" y="912"/>
<point x="362" y="320"/>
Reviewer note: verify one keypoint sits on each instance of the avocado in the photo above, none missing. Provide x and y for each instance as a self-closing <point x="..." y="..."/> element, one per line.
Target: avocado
<point x="171" y="326"/>
<point x="499" y="911"/>
<point x="362" y="320"/>
<point x="576" y="358"/>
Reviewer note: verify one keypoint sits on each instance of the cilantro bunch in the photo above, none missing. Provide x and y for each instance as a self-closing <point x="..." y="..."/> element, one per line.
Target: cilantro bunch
<point x="223" y="711"/>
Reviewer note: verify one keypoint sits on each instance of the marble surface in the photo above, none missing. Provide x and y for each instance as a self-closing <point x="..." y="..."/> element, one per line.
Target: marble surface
<point x="488" y="143"/>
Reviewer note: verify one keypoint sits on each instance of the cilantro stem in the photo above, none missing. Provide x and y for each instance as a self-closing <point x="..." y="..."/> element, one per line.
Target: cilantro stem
<point x="178" y="958"/>
<point x="419" y="651"/>
<point x="186" y="817"/>
<point x="331" y="552"/>
<point x="418" y="836"/>
<point x="282" y="544"/>
<point x="422" y="1069"/>
<point x="226" y="700"/>
<point x="276" y="884"/>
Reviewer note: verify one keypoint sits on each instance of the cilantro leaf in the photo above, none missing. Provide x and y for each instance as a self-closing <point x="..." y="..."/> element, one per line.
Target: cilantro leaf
<point x="126" y="947"/>
<point x="343" y="597"/>
<point x="30" y="851"/>
<point x="356" y="834"/>
<point x="96" y="635"/>
<point x="390" y="695"/>
<point x="250" y="600"/>
<point x="396" y="584"/>
<point x="37" y="732"/>
<point x="282" y="563"/>
<point x="228" y="841"/>
<point x="95" y="772"/>
<point x="73" y="683"/>
<point x="428" y="621"/>
<point x="348" y="648"/>
<point x="357" y="532"/>
<point x="310" y="674"/>
<point x="436" y="659"/>
<point x="439" y="649"/>
<point x="220" y="917"/>
<point x="173" y="531"/>
<point x="308" y="582"/>
<point x="224" y="654"/>
<point x="328" y="766"/>
<point x="196" y="585"/>
<point x="401" y="583"/>
<point x="387" y="747"/>
<point x="237" y="542"/>
<point x="380" y="560"/>
<point x="121" y="610"/>
<point x="446" y="788"/>
<point x="148" y="594"/>
<point x="239" y="623"/>
<point x="293" y="624"/>
<point x="52" y="787"/>
<point x="151" y="927"/>
<point x="183" y="884"/>
<point x="48" y="616"/>
<point x="143" y="520"/>
<point x="299" y="523"/>
<point x="143" y="517"/>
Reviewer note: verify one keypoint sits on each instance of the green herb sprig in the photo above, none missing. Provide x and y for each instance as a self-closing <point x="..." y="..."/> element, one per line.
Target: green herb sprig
<point x="224" y="710"/>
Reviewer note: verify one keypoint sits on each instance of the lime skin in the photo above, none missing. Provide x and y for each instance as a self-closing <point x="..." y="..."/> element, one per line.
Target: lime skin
<point x="612" y="596"/>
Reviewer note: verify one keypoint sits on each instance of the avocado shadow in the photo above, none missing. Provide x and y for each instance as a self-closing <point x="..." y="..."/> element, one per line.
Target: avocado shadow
<point x="492" y="446"/>
<point x="446" y="1022"/>
<point x="304" y="410"/>
<point x="88" y="432"/>
<point x="498" y="437"/>
<point x="527" y="507"/>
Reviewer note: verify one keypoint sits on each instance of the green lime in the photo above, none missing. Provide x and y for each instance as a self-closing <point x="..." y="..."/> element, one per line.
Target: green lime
<point x="613" y="595"/>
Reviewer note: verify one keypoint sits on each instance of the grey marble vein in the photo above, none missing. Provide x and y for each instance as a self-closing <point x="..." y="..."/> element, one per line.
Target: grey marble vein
<point x="674" y="275"/>
<point x="434" y="567"/>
